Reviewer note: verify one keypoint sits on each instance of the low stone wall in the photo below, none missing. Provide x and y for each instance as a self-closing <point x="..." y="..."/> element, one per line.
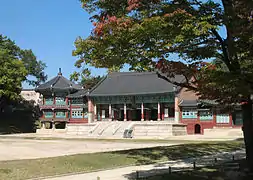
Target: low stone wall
<point x="157" y="130"/>
<point x="224" y="132"/>
<point x="79" y="129"/>
<point x="51" y="131"/>
<point x="179" y="130"/>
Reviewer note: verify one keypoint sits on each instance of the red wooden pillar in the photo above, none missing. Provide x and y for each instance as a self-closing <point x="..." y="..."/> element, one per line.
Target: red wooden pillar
<point x="129" y="112"/>
<point x="230" y="119"/>
<point x="214" y="117"/>
<point x="95" y="112"/>
<point x="110" y="111"/>
<point x="158" y="112"/>
<point x="100" y="112"/>
<point x="115" y="114"/>
<point x="142" y="112"/>
<point x="67" y="101"/>
<point x="125" y="113"/>
<point x="66" y="113"/>
<point x="54" y="102"/>
<point x="147" y="115"/>
<point x="162" y="110"/>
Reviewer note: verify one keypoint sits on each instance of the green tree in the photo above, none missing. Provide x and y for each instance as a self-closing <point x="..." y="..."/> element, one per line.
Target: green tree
<point x="145" y="33"/>
<point x="87" y="81"/>
<point x="34" y="67"/>
<point x="16" y="66"/>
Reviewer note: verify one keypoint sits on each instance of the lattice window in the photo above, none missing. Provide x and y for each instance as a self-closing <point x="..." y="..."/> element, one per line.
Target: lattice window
<point x="48" y="114"/>
<point x="60" y="101"/>
<point x="77" y="114"/>
<point x="188" y="113"/>
<point x="222" y="118"/>
<point x="49" y="101"/>
<point x="60" y="114"/>
<point x="205" y="115"/>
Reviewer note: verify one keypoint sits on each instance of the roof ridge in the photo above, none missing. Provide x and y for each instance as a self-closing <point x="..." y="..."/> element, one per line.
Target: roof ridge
<point x="56" y="80"/>
<point x="131" y="73"/>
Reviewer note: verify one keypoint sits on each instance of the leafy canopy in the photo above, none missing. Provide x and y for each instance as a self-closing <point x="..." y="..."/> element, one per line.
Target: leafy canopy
<point x="145" y="33"/>
<point x="16" y="65"/>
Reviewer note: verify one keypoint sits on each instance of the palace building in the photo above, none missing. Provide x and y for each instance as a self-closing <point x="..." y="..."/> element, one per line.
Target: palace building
<point x="136" y="102"/>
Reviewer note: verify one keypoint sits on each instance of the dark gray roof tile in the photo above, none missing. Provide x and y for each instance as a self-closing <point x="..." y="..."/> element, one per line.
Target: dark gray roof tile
<point x="130" y="83"/>
<point x="78" y="94"/>
<point x="188" y="103"/>
<point x="58" y="83"/>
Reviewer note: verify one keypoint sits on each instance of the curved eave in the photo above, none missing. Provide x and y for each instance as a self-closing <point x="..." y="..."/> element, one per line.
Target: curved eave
<point x="55" y="89"/>
<point x="132" y="94"/>
<point x="81" y="96"/>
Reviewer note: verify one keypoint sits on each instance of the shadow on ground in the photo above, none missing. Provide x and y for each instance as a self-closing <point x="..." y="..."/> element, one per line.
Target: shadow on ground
<point x="233" y="170"/>
<point x="182" y="151"/>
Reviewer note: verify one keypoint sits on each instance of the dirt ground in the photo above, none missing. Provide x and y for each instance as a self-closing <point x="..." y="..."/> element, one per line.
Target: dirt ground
<point x="13" y="149"/>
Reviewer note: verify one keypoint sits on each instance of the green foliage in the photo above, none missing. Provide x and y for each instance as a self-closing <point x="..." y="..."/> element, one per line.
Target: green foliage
<point x="16" y="66"/>
<point x="91" y="81"/>
<point x="144" y="34"/>
<point x="34" y="67"/>
<point x="87" y="81"/>
<point x="12" y="69"/>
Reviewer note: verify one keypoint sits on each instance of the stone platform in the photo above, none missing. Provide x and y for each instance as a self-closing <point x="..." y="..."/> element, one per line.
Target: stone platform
<point x="122" y="129"/>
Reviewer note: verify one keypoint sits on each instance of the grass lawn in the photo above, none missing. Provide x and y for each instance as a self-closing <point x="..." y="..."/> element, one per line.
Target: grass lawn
<point x="24" y="169"/>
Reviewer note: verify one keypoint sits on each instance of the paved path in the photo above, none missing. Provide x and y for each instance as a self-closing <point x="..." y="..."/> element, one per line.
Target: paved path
<point x="147" y="170"/>
<point x="213" y="137"/>
<point x="13" y="149"/>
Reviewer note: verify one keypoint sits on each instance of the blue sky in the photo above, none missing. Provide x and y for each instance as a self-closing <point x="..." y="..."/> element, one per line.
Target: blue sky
<point x="49" y="28"/>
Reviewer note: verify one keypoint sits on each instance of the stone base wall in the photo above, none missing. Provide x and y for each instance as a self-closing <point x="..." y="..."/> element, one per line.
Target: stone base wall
<point x="51" y="131"/>
<point x="79" y="129"/>
<point x="118" y="129"/>
<point x="158" y="130"/>
<point x="179" y="130"/>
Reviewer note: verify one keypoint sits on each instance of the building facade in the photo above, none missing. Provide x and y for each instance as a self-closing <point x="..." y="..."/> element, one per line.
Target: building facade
<point x="31" y="95"/>
<point x="132" y="96"/>
<point x="56" y="106"/>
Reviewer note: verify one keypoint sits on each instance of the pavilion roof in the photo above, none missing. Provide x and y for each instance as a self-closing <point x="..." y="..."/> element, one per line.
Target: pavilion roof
<point x="133" y="83"/>
<point x="58" y="83"/>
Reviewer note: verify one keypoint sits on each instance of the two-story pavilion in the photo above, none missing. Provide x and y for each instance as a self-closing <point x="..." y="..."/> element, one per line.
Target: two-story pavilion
<point x="55" y="105"/>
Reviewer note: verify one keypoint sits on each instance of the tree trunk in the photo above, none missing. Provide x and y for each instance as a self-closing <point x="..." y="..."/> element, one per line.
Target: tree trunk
<point x="248" y="132"/>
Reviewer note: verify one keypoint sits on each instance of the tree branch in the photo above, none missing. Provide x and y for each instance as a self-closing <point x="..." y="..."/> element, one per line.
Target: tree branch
<point x="224" y="49"/>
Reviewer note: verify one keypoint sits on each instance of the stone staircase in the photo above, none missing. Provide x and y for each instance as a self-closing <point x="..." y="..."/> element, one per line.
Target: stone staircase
<point x="112" y="129"/>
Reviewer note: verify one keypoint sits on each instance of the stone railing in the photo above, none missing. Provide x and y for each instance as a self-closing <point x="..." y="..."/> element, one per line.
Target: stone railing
<point x="54" y="106"/>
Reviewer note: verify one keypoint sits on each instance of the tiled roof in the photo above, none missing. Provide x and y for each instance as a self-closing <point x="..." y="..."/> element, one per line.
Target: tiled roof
<point x="133" y="83"/>
<point x="78" y="94"/>
<point x="188" y="103"/>
<point x="58" y="83"/>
